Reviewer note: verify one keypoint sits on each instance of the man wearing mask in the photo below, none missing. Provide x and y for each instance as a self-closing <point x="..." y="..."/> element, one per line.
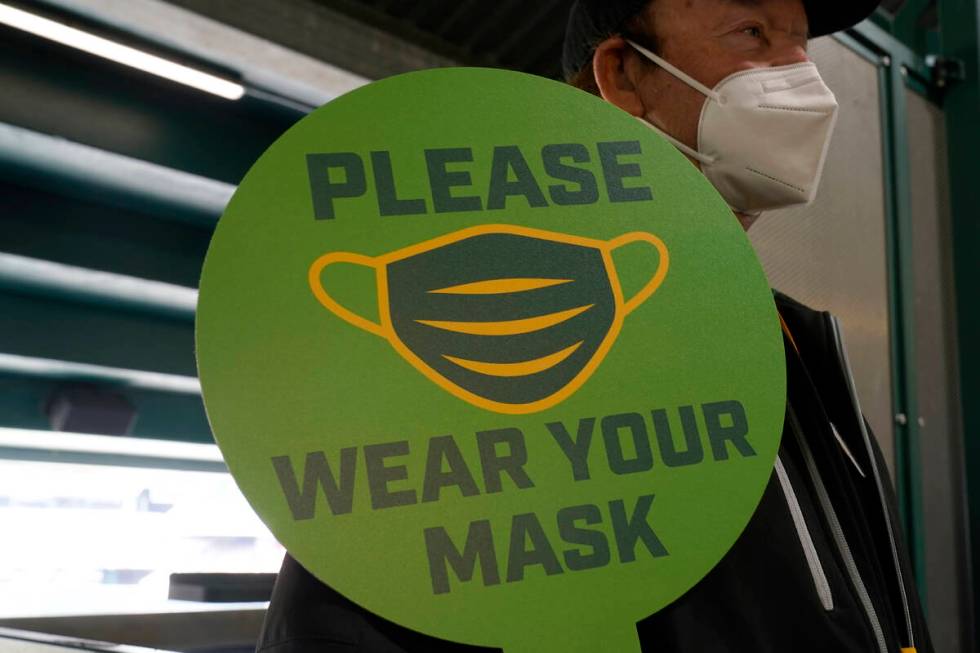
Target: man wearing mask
<point x="822" y="564"/>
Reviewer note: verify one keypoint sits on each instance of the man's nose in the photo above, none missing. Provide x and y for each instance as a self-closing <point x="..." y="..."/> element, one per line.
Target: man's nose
<point x="789" y="55"/>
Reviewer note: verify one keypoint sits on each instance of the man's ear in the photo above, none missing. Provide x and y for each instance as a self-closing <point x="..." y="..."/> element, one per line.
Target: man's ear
<point x="616" y="75"/>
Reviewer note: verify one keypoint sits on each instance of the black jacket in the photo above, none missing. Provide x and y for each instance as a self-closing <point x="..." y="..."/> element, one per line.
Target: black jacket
<point x="821" y="566"/>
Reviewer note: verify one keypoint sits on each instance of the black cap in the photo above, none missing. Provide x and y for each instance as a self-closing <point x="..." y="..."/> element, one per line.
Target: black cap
<point x="591" y="21"/>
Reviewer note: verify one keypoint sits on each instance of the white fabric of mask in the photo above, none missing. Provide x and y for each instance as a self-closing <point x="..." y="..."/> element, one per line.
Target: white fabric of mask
<point x="763" y="133"/>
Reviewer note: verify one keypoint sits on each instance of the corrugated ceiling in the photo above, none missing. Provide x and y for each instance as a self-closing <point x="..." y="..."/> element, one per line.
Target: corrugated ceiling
<point x="514" y="34"/>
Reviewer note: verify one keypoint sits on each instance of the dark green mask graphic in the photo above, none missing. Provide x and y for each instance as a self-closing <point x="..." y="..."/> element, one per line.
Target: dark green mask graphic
<point x="510" y="318"/>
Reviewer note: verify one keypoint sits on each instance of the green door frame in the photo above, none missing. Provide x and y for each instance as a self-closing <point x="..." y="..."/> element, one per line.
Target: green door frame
<point x="959" y="22"/>
<point x="899" y="68"/>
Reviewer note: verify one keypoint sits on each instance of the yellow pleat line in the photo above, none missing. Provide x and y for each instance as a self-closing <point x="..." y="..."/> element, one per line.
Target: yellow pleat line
<point x="508" y="328"/>
<point x="500" y="286"/>
<point x="516" y="369"/>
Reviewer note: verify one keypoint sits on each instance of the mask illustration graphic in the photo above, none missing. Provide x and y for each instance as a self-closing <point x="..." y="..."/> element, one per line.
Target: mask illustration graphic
<point x="511" y="319"/>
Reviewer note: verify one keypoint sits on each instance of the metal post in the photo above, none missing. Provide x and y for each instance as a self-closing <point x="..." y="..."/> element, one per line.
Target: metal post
<point x="960" y="25"/>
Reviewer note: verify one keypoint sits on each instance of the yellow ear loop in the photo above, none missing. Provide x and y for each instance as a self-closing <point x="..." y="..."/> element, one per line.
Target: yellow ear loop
<point x="316" y="285"/>
<point x="661" y="273"/>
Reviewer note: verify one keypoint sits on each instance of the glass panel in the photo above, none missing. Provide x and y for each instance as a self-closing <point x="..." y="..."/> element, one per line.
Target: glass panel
<point x="831" y="255"/>
<point x="89" y="539"/>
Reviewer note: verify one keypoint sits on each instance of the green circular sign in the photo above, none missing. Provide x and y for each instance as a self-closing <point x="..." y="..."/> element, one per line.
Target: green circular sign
<point x="491" y="359"/>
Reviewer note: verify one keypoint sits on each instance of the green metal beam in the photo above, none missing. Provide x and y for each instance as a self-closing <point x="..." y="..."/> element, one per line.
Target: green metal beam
<point x="55" y="370"/>
<point x="168" y="406"/>
<point x="82" y="448"/>
<point x="907" y="26"/>
<point x="902" y="281"/>
<point x="960" y="27"/>
<point x="882" y="19"/>
<point x="45" y="162"/>
<point x="49" y="226"/>
<point x="159" y="415"/>
<point x="25" y="275"/>
<point x="42" y="327"/>
<point x="879" y="40"/>
<point x="898" y="67"/>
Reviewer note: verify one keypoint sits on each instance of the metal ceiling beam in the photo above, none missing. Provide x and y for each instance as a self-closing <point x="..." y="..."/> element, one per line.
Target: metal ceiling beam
<point x="64" y="371"/>
<point x="527" y="32"/>
<point x="546" y="54"/>
<point x="86" y="449"/>
<point x="323" y="33"/>
<point x="261" y="64"/>
<point x="451" y="18"/>
<point x="502" y="9"/>
<point x="54" y="164"/>
<point x="21" y="274"/>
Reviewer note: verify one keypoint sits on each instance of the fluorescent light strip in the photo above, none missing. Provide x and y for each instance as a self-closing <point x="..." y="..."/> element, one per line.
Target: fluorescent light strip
<point x="117" y="52"/>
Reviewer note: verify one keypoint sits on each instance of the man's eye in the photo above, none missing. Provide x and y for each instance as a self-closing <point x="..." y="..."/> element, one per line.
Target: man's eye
<point x="754" y="32"/>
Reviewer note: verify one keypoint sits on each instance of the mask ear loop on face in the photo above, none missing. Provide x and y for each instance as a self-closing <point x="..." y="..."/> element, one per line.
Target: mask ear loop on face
<point x="711" y="94"/>
<point x="690" y="151"/>
<point x="690" y="81"/>
<point x="677" y="72"/>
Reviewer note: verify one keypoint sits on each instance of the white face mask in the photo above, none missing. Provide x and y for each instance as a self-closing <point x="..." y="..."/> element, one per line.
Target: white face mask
<point x="763" y="133"/>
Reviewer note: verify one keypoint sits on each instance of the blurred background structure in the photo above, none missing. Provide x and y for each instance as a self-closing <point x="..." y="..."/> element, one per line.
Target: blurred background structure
<point x="125" y="126"/>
